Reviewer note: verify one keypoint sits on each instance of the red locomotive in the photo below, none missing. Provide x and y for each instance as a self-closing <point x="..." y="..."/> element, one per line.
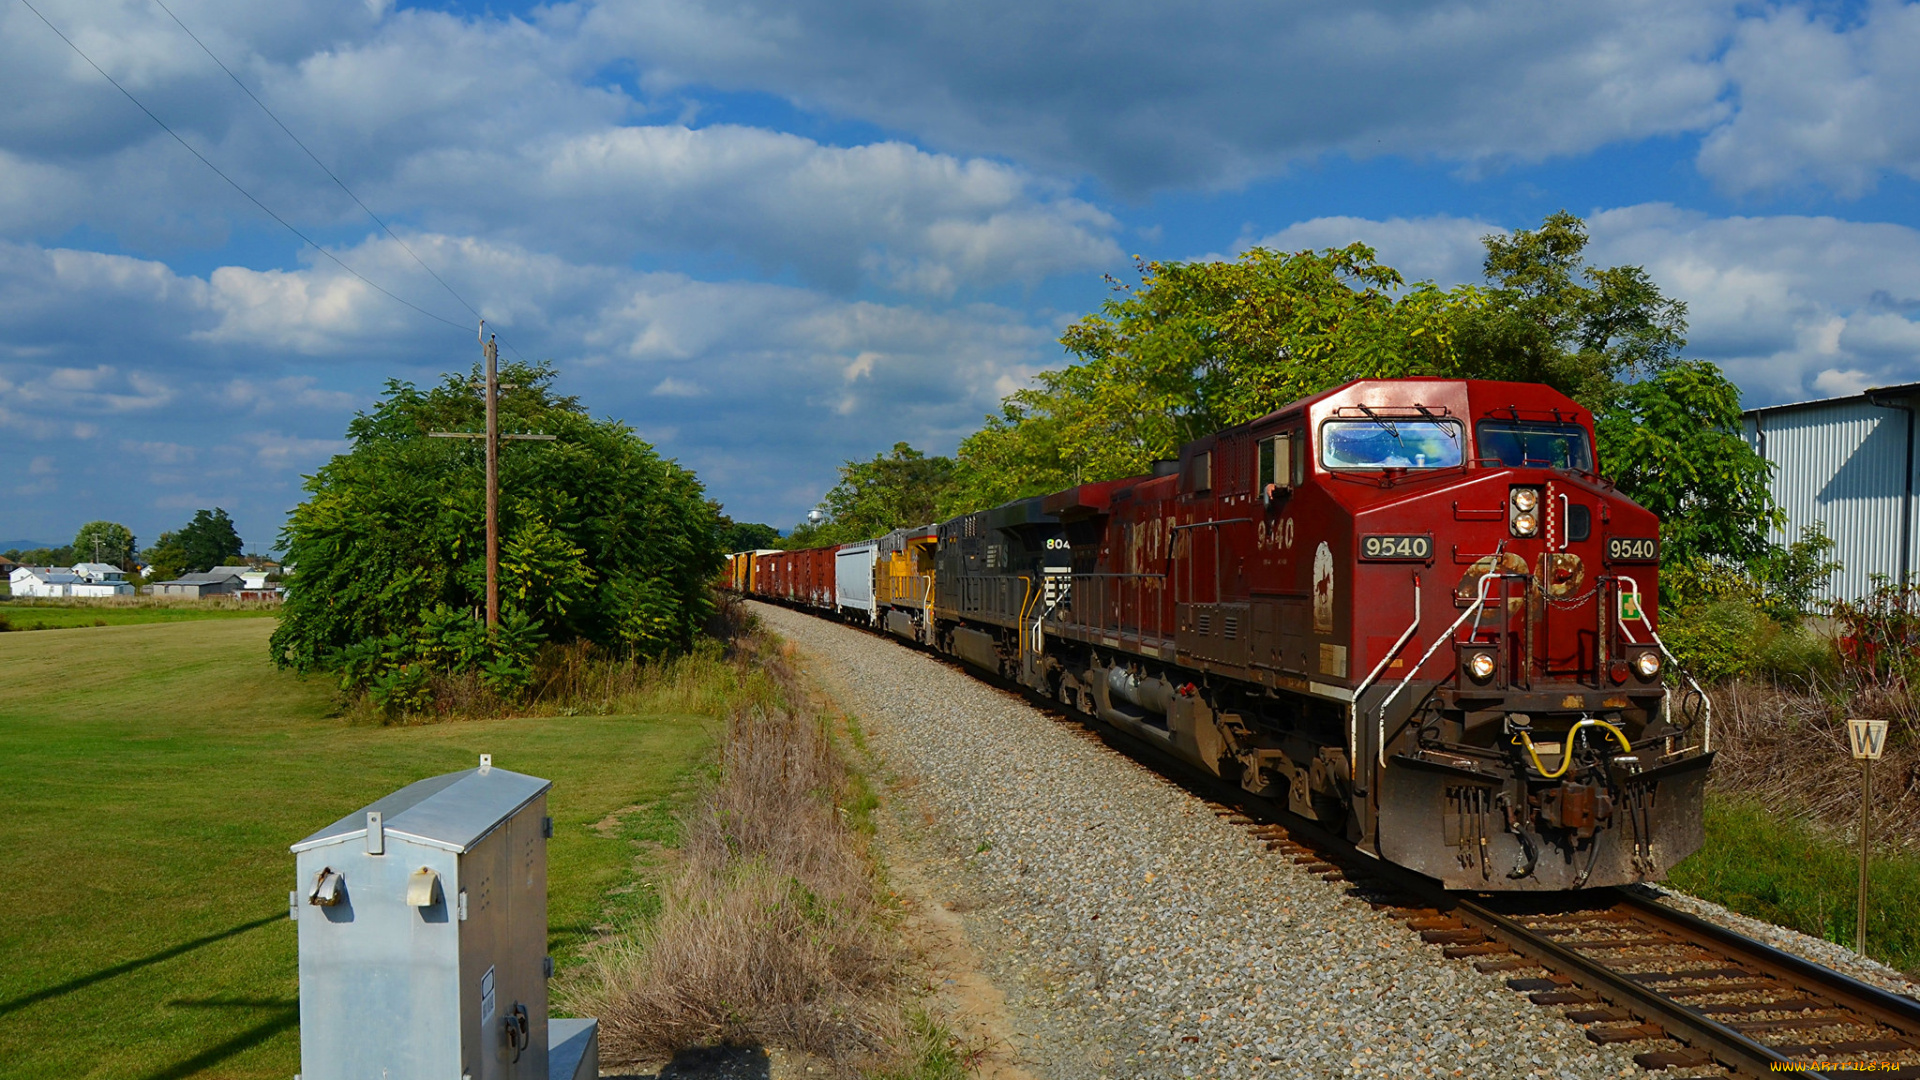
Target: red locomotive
<point x="1412" y="608"/>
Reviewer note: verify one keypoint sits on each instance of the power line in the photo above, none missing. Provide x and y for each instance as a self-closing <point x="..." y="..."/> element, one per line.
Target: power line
<point x="234" y="183"/>
<point x="316" y="159"/>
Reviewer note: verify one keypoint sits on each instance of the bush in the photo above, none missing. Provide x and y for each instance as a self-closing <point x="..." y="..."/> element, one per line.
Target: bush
<point x="602" y="541"/>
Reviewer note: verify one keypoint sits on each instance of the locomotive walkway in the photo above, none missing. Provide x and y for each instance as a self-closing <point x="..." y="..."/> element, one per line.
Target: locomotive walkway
<point x="1134" y="931"/>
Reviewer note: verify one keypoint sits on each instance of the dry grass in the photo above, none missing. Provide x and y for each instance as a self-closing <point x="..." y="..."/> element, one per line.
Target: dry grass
<point x="771" y="930"/>
<point x="1786" y="746"/>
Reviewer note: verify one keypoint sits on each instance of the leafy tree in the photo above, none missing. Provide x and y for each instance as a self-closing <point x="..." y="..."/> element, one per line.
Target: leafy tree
<point x="59" y="556"/>
<point x="207" y="541"/>
<point x="603" y="540"/>
<point x="744" y="535"/>
<point x="1196" y="347"/>
<point x="892" y="491"/>
<point x="1201" y="346"/>
<point x="1673" y="443"/>
<point x="1546" y="316"/>
<point x="105" y="541"/>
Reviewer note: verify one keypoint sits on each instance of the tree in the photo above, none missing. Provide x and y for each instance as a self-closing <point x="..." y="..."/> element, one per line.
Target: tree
<point x="207" y="541"/>
<point x="1196" y="347"/>
<point x="743" y="535"/>
<point x="104" y="541"/>
<point x="602" y="540"/>
<point x="1673" y="442"/>
<point x="1546" y="316"/>
<point x="895" y="490"/>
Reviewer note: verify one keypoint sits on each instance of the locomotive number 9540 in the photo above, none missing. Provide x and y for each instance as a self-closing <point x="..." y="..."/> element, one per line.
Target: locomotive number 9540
<point x="1385" y="548"/>
<point x="1632" y="549"/>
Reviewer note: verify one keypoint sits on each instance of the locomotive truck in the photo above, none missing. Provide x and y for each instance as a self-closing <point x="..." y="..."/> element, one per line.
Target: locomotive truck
<point x="1413" y="609"/>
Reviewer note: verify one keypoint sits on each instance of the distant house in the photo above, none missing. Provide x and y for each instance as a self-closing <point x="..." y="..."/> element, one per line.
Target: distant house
<point x="219" y="581"/>
<point x="85" y="580"/>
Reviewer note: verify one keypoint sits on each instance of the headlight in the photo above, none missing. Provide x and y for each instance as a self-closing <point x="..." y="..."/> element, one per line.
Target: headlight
<point x="1480" y="665"/>
<point x="1647" y="664"/>
<point x="1525" y="524"/>
<point x="1525" y="498"/>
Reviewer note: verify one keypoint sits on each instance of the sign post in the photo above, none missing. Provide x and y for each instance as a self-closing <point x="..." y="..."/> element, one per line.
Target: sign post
<point x="1868" y="738"/>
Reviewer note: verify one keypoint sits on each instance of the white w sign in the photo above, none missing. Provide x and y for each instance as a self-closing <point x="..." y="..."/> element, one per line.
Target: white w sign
<point x="1869" y="738"/>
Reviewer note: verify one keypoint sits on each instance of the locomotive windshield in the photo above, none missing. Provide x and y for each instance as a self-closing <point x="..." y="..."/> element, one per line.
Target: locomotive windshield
<point x="1381" y="443"/>
<point x="1554" y="446"/>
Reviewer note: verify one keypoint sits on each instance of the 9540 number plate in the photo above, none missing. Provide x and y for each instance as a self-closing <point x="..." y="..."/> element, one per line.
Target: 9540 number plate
<point x="1633" y="549"/>
<point x="1409" y="547"/>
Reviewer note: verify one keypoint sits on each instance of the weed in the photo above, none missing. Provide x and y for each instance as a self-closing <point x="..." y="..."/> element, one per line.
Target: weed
<point x="771" y="930"/>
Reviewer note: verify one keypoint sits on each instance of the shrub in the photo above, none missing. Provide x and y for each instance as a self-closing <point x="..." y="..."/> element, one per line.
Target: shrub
<point x="602" y="540"/>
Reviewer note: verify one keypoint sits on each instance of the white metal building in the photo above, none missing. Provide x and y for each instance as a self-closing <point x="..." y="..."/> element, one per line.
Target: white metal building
<point x="85" y="580"/>
<point x="1847" y="462"/>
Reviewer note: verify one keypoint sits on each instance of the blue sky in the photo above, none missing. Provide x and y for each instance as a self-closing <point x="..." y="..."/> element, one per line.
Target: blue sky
<point x="774" y="237"/>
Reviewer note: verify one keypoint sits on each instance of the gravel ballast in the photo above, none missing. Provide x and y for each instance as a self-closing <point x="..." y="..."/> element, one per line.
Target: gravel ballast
<point x="1134" y="933"/>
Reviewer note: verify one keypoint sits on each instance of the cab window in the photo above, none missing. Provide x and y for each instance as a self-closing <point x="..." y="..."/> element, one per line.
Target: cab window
<point x="1538" y="444"/>
<point x="1281" y="462"/>
<point x="1382" y="443"/>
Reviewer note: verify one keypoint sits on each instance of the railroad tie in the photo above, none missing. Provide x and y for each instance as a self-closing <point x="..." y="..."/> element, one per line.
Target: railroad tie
<point x="1564" y="997"/>
<point x="1607" y="1034"/>
<point x="1685" y="1057"/>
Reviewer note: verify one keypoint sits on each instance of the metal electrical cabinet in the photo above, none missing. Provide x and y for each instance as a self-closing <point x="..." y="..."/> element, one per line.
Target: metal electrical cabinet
<point x="423" y="933"/>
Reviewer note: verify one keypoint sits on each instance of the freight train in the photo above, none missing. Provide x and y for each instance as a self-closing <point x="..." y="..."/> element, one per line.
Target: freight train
<point x="1413" y="609"/>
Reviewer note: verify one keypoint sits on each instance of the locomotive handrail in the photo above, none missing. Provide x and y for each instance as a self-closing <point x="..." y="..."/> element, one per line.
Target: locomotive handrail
<point x="1353" y="707"/>
<point x="1381" y="735"/>
<point x="1706" y="720"/>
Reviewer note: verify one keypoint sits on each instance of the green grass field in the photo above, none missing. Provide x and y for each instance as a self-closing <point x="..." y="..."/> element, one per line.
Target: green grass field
<point x="1761" y="863"/>
<point x="153" y="778"/>
<point x="67" y="614"/>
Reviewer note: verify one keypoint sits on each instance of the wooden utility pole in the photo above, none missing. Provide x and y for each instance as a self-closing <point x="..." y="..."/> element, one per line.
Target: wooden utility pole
<point x="491" y="350"/>
<point x="493" y="480"/>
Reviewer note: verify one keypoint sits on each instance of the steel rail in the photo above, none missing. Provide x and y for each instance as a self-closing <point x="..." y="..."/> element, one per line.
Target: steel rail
<point x="1894" y="1010"/>
<point x="1728" y="1046"/>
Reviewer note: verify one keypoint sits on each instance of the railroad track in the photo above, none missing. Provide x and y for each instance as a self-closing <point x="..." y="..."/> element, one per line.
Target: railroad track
<point x="1693" y="998"/>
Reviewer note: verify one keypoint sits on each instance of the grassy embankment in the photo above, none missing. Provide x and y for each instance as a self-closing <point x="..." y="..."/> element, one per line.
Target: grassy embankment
<point x="154" y="778"/>
<point x="1785" y="870"/>
<point x="1783" y="811"/>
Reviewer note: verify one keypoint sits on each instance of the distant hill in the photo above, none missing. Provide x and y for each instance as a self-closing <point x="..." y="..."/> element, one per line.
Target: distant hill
<point x="25" y="545"/>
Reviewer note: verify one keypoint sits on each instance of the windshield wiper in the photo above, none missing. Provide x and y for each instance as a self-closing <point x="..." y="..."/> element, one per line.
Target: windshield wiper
<point x="1392" y="431"/>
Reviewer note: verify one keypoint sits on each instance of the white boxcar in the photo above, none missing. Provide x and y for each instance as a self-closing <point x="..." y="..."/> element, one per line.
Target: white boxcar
<point x="853" y="580"/>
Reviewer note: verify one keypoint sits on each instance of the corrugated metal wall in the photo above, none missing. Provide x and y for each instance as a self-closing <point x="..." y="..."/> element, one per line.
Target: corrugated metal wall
<point x="1841" y="462"/>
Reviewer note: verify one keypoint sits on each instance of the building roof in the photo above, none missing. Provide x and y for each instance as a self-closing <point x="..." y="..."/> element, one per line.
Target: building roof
<point x="1903" y="390"/>
<point x="236" y="571"/>
<point x="49" y="575"/>
<point x="96" y="568"/>
<point x="208" y="577"/>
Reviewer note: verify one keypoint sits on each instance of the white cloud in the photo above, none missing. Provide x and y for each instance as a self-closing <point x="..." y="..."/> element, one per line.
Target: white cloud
<point x="1211" y="93"/>
<point x="889" y="212"/>
<point x="495" y="128"/>
<point x="738" y="376"/>
<point x="1442" y="249"/>
<point x="1819" y="101"/>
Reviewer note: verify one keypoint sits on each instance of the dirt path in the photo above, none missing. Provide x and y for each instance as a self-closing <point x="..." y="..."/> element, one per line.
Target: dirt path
<point x="948" y="963"/>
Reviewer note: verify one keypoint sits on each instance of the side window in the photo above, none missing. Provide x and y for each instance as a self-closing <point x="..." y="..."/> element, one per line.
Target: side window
<point x="1200" y="473"/>
<point x="1281" y="462"/>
